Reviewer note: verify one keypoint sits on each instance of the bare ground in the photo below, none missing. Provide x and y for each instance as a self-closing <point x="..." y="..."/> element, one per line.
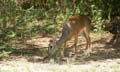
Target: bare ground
<point x="104" y="57"/>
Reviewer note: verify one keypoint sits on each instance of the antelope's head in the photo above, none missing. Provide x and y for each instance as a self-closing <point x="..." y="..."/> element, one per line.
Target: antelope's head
<point x="52" y="47"/>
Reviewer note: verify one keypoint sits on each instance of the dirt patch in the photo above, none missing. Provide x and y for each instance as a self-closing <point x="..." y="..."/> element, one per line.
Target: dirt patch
<point x="37" y="49"/>
<point x="104" y="57"/>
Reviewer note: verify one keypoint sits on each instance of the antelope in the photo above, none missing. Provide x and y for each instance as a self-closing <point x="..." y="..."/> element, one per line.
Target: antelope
<point x="75" y="25"/>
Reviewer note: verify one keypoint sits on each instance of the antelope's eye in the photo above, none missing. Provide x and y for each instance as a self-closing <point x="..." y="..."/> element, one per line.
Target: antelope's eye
<point x="50" y="47"/>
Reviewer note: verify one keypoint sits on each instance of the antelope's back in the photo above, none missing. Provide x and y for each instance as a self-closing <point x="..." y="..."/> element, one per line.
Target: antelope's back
<point x="79" y="22"/>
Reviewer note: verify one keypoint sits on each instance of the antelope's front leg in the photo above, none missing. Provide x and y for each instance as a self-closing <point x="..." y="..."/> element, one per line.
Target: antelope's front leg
<point x="75" y="43"/>
<point x="62" y="50"/>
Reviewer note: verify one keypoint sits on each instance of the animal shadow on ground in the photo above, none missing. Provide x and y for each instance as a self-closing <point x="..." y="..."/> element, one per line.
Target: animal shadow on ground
<point x="100" y="51"/>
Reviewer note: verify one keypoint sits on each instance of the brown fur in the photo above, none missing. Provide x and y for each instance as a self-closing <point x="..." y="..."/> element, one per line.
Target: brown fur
<point x="71" y="29"/>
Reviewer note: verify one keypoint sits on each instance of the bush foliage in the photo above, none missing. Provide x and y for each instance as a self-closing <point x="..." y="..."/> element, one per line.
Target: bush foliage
<point x="20" y="19"/>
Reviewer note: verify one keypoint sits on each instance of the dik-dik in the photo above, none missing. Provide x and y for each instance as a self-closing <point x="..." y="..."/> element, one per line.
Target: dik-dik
<point x="71" y="29"/>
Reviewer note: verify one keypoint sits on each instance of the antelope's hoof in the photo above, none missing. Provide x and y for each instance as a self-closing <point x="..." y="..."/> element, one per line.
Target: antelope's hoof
<point x="87" y="52"/>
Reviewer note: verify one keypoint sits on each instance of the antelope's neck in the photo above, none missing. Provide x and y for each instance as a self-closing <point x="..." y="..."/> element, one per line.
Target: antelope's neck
<point x="65" y="36"/>
<point x="61" y="41"/>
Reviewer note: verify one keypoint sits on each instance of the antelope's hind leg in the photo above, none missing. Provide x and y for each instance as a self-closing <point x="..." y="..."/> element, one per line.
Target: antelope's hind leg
<point x="88" y="42"/>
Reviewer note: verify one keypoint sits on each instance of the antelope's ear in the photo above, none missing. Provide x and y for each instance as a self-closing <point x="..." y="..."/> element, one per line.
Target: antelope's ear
<point x="54" y="39"/>
<point x="50" y="44"/>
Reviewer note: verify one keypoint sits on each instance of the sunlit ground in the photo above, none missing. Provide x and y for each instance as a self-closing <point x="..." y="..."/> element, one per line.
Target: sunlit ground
<point x="109" y="65"/>
<point x="104" y="58"/>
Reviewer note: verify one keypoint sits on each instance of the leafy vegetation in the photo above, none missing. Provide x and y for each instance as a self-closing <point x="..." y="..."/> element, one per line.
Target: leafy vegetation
<point x="23" y="19"/>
